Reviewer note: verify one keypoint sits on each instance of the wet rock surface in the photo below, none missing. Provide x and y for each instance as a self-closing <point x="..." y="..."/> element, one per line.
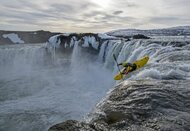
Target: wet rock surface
<point x="143" y="105"/>
<point x="139" y="36"/>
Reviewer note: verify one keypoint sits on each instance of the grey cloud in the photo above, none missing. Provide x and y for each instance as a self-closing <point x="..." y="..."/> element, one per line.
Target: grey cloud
<point x="24" y="15"/>
<point x="71" y="8"/>
<point x="177" y="2"/>
<point x="108" y="16"/>
<point x="132" y="5"/>
<point x="98" y="25"/>
<point x="86" y="15"/>
<point x="138" y="24"/>
<point x="88" y="5"/>
<point x="103" y="20"/>
<point x="117" y="12"/>
<point x="24" y="22"/>
<point x="19" y="5"/>
<point x="115" y="18"/>
<point x="168" y="21"/>
<point x="108" y="23"/>
<point x="31" y="13"/>
<point x="62" y="8"/>
<point x="10" y="6"/>
<point x="37" y="14"/>
<point x="93" y="13"/>
<point x="29" y="4"/>
<point x="126" y="4"/>
<point x="164" y="20"/>
<point x="21" y="10"/>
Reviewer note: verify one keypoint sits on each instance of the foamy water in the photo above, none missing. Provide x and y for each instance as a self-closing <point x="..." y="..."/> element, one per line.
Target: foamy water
<point x="39" y="89"/>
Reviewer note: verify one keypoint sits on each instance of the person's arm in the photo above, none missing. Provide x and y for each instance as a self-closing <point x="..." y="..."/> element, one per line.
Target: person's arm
<point x="126" y="64"/>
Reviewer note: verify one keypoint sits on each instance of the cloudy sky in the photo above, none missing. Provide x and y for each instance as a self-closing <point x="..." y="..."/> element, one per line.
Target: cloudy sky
<point x="92" y="15"/>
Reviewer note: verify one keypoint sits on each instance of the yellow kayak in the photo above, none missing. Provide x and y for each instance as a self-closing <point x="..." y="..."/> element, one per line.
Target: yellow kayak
<point x="139" y="63"/>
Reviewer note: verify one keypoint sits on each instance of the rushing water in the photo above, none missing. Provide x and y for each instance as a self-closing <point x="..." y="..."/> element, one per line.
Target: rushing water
<point x="168" y="59"/>
<point x="39" y="89"/>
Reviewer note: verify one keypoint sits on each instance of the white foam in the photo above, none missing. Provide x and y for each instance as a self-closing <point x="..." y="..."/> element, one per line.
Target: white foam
<point x="147" y="74"/>
<point x="54" y="41"/>
<point x="102" y="51"/>
<point x="90" y="40"/>
<point x="47" y="94"/>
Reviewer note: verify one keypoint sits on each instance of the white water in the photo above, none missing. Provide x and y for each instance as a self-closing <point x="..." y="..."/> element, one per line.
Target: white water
<point x="37" y="91"/>
<point x="166" y="61"/>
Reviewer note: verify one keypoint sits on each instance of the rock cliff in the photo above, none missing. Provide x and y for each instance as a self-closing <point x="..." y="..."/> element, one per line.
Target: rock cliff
<point x="17" y="37"/>
<point x="143" y="105"/>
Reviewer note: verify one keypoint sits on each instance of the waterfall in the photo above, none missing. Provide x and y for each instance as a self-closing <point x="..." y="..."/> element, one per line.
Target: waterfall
<point x="22" y="59"/>
<point x="162" y="58"/>
<point x="160" y="52"/>
<point x="75" y="58"/>
<point x="41" y="86"/>
<point x="38" y="90"/>
<point x="102" y="51"/>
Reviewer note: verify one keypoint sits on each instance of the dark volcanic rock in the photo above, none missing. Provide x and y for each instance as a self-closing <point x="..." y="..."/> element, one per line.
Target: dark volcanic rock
<point x="139" y="106"/>
<point x="139" y="36"/>
<point x="71" y="125"/>
<point x="66" y="39"/>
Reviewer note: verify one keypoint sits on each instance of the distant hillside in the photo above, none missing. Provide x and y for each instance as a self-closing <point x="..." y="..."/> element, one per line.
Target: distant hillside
<point x="174" y="31"/>
<point x="16" y="37"/>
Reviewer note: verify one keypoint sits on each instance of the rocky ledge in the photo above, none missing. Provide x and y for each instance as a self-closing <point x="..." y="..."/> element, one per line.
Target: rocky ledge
<point x="25" y="37"/>
<point x="148" y="105"/>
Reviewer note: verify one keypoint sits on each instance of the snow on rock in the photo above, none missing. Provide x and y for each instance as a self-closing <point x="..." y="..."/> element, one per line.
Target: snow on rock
<point x="174" y="31"/>
<point x="105" y="36"/>
<point x="14" y="38"/>
<point x="66" y="34"/>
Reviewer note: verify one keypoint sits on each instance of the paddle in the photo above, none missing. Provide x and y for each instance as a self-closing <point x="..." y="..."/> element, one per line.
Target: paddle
<point x="117" y="64"/>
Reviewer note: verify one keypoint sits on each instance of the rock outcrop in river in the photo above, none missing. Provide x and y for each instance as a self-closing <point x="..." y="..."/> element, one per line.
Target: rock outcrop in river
<point x="143" y="105"/>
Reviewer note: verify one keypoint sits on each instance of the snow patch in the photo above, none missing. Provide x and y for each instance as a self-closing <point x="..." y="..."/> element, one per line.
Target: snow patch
<point x="105" y="36"/>
<point x="66" y="34"/>
<point x="14" y="38"/>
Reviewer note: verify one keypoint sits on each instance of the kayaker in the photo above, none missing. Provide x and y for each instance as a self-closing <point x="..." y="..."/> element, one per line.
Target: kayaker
<point x="127" y="65"/>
